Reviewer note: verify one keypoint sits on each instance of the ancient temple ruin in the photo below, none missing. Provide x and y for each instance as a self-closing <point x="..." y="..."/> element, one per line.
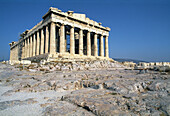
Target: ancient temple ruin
<point x="62" y="35"/>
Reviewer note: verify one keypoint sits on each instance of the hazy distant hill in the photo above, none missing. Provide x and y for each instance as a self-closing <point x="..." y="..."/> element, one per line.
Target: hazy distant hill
<point x="129" y="60"/>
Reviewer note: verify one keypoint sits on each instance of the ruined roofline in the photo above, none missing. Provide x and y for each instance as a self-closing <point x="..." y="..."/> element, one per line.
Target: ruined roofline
<point x="32" y="29"/>
<point x="36" y="26"/>
<point x="13" y="44"/>
<point x="69" y="14"/>
<point x="72" y="15"/>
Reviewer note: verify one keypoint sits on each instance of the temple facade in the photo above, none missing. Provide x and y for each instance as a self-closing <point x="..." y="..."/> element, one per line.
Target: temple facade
<point x="62" y="35"/>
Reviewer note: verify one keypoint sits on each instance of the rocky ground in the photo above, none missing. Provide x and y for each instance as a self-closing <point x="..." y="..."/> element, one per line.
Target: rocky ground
<point x="98" y="88"/>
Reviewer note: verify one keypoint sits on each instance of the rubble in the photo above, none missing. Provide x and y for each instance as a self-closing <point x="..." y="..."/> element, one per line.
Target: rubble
<point x="83" y="88"/>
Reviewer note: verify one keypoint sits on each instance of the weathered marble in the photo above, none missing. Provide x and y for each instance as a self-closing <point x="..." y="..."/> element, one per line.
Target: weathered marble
<point x="62" y="34"/>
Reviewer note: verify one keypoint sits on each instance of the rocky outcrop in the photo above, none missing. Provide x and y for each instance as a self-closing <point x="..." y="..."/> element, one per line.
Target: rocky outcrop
<point x="85" y="91"/>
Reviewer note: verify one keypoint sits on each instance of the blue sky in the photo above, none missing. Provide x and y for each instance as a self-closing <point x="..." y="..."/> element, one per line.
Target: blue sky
<point x="140" y="29"/>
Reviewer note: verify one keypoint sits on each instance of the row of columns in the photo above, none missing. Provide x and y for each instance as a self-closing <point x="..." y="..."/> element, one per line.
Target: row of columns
<point x="72" y="44"/>
<point x="34" y="44"/>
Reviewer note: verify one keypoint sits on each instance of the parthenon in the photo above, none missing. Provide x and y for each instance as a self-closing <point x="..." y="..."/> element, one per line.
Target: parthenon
<point x="62" y="35"/>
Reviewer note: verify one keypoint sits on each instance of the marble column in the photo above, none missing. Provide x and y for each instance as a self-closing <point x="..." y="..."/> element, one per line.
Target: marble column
<point x="47" y="39"/>
<point x="88" y="44"/>
<point x="62" y="38"/>
<point x="28" y="47"/>
<point x="52" y="38"/>
<point x="101" y="46"/>
<point x="42" y="41"/>
<point x="81" y="42"/>
<point x="95" y="45"/>
<point x="106" y="47"/>
<point x="31" y="46"/>
<point x="38" y="43"/>
<point x="72" y="43"/>
<point x="25" y="48"/>
<point x="34" y="44"/>
<point x="23" y="51"/>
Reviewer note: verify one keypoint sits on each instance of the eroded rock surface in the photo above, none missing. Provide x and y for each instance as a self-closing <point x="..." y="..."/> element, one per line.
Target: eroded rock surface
<point x="98" y="88"/>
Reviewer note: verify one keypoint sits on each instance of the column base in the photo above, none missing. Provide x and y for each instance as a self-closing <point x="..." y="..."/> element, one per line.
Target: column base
<point x="65" y="56"/>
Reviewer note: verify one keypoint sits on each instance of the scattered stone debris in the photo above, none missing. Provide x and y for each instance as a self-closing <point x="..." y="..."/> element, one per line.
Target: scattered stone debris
<point x="91" y="88"/>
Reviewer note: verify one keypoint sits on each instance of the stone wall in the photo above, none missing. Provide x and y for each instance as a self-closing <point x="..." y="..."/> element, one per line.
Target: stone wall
<point x="14" y="53"/>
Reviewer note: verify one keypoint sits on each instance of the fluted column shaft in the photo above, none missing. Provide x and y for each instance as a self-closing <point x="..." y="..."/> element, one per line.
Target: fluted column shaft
<point x="81" y="42"/>
<point x="95" y="45"/>
<point x="62" y="39"/>
<point x="38" y="43"/>
<point x="22" y="55"/>
<point x="101" y="46"/>
<point x="25" y="48"/>
<point x="34" y="44"/>
<point x="31" y="46"/>
<point x="47" y="39"/>
<point x="28" y="47"/>
<point x="42" y="41"/>
<point x="88" y="44"/>
<point x="106" y="47"/>
<point x="72" y="43"/>
<point x="52" y="38"/>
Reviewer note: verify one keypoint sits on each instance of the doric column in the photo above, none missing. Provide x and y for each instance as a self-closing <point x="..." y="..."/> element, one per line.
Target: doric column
<point x="52" y="38"/>
<point x="101" y="46"/>
<point x="28" y="47"/>
<point x="38" y="43"/>
<point x="42" y="41"/>
<point x="72" y="43"/>
<point x="31" y="46"/>
<point x="81" y="42"/>
<point x="34" y="44"/>
<point x="62" y="39"/>
<point x="106" y="47"/>
<point x="25" y="49"/>
<point x="95" y="45"/>
<point x="88" y="44"/>
<point x="46" y="39"/>
<point x="22" y="55"/>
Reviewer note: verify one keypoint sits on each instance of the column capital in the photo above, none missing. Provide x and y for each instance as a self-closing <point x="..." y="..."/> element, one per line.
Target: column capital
<point x="96" y="33"/>
<point x="62" y="24"/>
<point x="51" y="23"/>
<point x="48" y="24"/>
<point x="72" y="26"/>
<point x="88" y="31"/>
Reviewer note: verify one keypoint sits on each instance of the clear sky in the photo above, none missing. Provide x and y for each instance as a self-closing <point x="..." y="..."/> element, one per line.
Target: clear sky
<point x="140" y="29"/>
